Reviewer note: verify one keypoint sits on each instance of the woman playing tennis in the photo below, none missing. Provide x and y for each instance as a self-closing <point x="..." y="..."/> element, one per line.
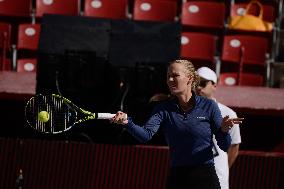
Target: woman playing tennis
<point x="188" y="122"/>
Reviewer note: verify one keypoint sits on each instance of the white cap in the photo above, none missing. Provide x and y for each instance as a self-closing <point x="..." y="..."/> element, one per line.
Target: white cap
<point x="207" y="74"/>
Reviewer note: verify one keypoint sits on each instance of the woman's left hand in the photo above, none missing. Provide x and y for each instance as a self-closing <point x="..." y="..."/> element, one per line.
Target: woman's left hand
<point x="228" y="123"/>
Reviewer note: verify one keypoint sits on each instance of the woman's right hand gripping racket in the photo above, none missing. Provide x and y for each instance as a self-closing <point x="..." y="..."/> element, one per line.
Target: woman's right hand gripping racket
<point x="55" y="114"/>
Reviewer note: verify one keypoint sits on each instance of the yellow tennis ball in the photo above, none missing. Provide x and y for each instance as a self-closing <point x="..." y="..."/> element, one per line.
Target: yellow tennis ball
<point x="43" y="116"/>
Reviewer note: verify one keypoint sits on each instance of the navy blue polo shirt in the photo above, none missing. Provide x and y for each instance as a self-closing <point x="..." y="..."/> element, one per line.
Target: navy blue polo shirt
<point x="188" y="134"/>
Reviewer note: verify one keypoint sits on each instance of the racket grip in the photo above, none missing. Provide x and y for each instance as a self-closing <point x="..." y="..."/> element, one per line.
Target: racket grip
<point x="105" y="115"/>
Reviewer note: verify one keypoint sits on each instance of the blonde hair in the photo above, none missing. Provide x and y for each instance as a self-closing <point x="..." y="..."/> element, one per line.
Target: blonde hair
<point x="190" y="70"/>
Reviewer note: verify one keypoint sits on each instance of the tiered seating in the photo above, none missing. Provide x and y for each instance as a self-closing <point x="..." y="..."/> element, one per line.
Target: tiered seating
<point x="203" y="24"/>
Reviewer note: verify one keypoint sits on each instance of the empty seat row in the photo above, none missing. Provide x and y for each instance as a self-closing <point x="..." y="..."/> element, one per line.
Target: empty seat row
<point x="159" y="10"/>
<point x="194" y="14"/>
<point x="199" y="16"/>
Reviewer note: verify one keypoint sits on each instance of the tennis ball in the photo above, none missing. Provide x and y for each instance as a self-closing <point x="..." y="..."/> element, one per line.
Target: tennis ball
<point x="43" y="116"/>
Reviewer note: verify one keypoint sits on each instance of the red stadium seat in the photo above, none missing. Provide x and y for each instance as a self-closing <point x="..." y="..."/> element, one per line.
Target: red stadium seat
<point x="199" y="47"/>
<point x="241" y="79"/>
<point x="114" y="9"/>
<point x="26" y="65"/>
<point x="242" y="51"/>
<point x="155" y="10"/>
<point x="64" y="7"/>
<point x="28" y="36"/>
<point x="203" y="15"/>
<point x="15" y="8"/>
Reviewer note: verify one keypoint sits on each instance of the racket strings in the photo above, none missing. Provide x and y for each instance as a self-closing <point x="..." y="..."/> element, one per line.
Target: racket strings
<point x="32" y="110"/>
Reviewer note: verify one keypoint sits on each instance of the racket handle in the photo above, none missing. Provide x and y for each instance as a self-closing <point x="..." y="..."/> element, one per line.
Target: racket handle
<point x="105" y="115"/>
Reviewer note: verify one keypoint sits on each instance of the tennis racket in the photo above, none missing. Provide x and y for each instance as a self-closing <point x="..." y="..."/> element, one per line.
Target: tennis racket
<point x="56" y="114"/>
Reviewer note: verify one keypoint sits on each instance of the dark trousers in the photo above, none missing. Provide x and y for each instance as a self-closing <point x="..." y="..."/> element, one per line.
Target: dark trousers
<point x="199" y="177"/>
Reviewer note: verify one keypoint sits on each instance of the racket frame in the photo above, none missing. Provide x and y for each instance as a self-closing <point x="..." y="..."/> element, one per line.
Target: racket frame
<point x="88" y="115"/>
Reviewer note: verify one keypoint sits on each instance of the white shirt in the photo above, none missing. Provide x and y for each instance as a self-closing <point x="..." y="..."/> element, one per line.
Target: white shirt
<point x="221" y="161"/>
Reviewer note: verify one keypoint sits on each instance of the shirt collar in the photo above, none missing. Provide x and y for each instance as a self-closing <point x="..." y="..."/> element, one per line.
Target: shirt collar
<point x="196" y="99"/>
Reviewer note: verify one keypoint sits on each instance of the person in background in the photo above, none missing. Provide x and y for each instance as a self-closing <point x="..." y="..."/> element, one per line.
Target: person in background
<point x="207" y="88"/>
<point x="189" y="122"/>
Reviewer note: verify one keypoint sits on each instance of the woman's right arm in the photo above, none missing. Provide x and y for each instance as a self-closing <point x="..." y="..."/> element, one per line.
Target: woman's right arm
<point x="142" y="134"/>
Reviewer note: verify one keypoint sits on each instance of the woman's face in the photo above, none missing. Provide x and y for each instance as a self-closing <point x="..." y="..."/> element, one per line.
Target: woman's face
<point x="178" y="79"/>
